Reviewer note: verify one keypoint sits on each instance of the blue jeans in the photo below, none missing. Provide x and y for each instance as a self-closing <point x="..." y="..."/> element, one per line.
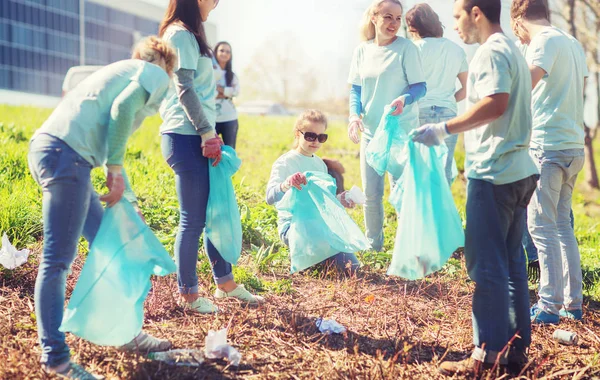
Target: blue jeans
<point x="529" y="246"/>
<point x="436" y="114"/>
<point x="339" y="261"/>
<point x="228" y="130"/>
<point x="550" y="226"/>
<point x="184" y="155"/>
<point x="373" y="185"/>
<point x="496" y="262"/>
<point x="70" y="207"/>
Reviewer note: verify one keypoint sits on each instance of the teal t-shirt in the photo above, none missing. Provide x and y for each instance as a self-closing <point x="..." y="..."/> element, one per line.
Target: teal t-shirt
<point x="442" y="61"/>
<point x="557" y="99"/>
<point x="498" y="152"/>
<point x="384" y="73"/>
<point x="82" y="118"/>
<point x="188" y="57"/>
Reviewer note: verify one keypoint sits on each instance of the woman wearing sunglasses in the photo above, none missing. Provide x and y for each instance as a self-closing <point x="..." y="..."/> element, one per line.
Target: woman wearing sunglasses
<point x="385" y="70"/>
<point x="288" y="171"/>
<point x="189" y="140"/>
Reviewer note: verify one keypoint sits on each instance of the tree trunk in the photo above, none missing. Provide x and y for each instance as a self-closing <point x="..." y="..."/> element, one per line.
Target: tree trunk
<point x="591" y="174"/>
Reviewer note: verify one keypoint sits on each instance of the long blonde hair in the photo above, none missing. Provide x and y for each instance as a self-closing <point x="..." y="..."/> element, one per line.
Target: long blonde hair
<point x="367" y="29"/>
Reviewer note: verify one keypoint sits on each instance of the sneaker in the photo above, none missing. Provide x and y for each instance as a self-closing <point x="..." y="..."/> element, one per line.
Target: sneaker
<point x="517" y="360"/>
<point x="541" y="317"/>
<point x="468" y="367"/>
<point x="576" y="314"/>
<point x="200" y="305"/>
<point x="145" y="343"/>
<point x="72" y="370"/>
<point x="241" y="294"/>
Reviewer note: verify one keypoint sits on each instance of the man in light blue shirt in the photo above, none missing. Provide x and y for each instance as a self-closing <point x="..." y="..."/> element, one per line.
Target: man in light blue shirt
<point x="558" y="71"/>
<point x="502" y="178"/>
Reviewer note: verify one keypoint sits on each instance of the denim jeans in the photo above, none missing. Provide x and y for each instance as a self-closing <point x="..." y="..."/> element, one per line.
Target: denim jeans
<point x="436" y="114"/>
<point x="550" y="227"/>
<point x="339" y="261"/>
<point x="373" y="185"/>
<point x="228" y="130"/>
<point x="496" y="262"/>
<point x="70" y="207"/>
<point x="184" y="155"/>
<point x="529" y="246"/>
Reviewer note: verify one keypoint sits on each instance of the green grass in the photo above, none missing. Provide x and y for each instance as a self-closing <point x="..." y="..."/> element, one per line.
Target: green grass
<point x="261" y="141"/>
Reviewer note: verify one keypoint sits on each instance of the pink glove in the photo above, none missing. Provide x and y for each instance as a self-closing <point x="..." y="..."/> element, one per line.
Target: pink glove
<point x="212" y="149"/>
<point x="295" y="180"/>
<point x="115" y="184"/>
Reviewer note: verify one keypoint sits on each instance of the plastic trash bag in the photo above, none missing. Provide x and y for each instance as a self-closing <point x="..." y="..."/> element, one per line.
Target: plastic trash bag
<point x="223" y="223"/>
<point x="216" y="347"/>
<point x="386" y="151"/>
<point x="107" y="304"/>
<point x="10" y="257"/>
<point x="330" y="326"/>
<point x="429" y="227"/>
<point x="320" y="227"/>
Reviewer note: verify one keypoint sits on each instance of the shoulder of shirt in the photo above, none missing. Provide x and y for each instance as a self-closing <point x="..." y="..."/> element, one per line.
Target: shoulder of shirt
<point x="177" y="30"/>
<point x="284" y="157"/>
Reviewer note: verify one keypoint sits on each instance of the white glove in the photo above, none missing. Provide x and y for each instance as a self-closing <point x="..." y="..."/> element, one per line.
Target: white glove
<point x="430" y="134"/>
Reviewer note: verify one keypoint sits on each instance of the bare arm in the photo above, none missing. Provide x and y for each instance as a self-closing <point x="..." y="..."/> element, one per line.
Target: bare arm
<point x="483" y="112"/>
<point x="461" y="94"/>
<point x="537" y="73"/>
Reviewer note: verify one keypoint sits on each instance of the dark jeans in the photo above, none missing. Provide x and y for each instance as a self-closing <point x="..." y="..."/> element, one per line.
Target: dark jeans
<point x="184" y="155"/>
<point x="229" y="130"/>
<point x="496" y="262"/>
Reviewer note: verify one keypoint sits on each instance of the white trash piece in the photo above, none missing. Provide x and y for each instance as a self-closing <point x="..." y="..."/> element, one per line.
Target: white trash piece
<point x="330" y="326"/>
<point x="216" y="347"/>
<point x="356" y="195"/>
<point x="10" y="257"/>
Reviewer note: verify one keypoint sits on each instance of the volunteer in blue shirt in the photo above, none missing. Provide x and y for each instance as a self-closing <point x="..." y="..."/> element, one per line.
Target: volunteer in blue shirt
<point x="89" y="129"/>
<point x="443" y="62"/>
<point x="558" y="70"/>
<point x="502" y="177"/>
<point x="189" y="140"/>
<point x="385" y="70"/>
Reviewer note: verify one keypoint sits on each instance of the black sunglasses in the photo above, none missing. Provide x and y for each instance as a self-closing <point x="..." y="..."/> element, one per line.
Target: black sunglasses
<point x="312" y="137"/>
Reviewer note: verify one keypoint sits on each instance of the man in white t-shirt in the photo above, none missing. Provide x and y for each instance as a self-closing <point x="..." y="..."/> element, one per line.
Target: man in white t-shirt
<point x="558" y="71"/>
<point x="502" y="177"/>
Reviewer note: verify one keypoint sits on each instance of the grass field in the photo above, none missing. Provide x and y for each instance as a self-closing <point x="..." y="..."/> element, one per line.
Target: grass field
<point x="396" y="328"/>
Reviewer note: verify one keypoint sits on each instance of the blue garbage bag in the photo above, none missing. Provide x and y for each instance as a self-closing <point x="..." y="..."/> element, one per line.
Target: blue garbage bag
<point x="429" y="227"/>
<point x="107" y="304"/>
<point x="320" y="227"/>
<point x="386" y="152"/>
<point x="223" y="223"/>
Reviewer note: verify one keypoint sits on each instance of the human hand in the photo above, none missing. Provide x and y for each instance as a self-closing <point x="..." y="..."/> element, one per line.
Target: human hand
<point x="398" y="105"/>
<point x="211" y="148"/>
<point x="354" y="126"/>
<point x="115" y="184"/>
<point x="344" y="201"/>
<point x="430" y="134"/>
<point x="295" y="180"/>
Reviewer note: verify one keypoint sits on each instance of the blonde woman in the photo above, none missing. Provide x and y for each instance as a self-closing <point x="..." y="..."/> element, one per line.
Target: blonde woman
<point x="443" y="62"/>
<point x="88" y="129"/>
<point x="385" y="70"/>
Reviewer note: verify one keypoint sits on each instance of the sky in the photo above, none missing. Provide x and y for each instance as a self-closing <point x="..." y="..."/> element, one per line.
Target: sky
<point x="325" y="30"/>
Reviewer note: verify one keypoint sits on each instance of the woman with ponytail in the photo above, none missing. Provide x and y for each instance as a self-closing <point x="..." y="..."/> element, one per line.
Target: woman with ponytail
<point x="385" y="70"/>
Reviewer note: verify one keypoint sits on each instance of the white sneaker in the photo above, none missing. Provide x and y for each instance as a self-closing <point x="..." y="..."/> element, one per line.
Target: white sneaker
<point x="241" y="294"/>
<point x="145" y="343"/>
<point x="201" y="305"/>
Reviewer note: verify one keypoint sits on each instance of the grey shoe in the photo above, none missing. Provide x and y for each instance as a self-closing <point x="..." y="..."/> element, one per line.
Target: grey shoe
<point x="145" y="343"/>
<point x="73" y="371"/>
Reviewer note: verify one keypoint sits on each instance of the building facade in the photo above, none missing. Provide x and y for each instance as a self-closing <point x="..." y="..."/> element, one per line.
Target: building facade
<point x="41" y="39"/>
